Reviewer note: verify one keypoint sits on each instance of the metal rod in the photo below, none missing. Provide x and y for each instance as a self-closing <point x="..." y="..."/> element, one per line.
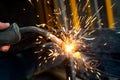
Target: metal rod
<point x="98" y="14"/>
<point x="110" y="16"/>
<point x="42" y="32"/>
<point x="63" y="14"/>
<point x="70" y="66"/>
<point x="70" y="71"/>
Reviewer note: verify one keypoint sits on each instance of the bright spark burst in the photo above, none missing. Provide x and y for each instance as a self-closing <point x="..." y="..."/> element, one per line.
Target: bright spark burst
<point x="69" y="47"/>
<point x="72" y="40"/>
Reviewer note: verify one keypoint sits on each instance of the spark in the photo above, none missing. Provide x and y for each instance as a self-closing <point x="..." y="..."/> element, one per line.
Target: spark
<point x="99" y="73"/>
<point x="24" y="9"/>
<point x="38" y="42"/>
<point x="37" y="52"/>
<point x="44" y="58"/>
<point x="48" y="2"/>
<point x="69" y="47"/>
<point x="37" y="16"/>
<point x="46" y="61"/>
<point x="98" y="76"/>
<point x="69" y="78"/>
<point x="57" y="12"/>
<point x="40" y="64"/>
<point x="53" y="59"/>
<point x="41" y="50"/>
<point x="43" y="45"/>
<point x="30" y="2"/>
<point x="77" y="55"/>
<point x="41" y="25"/>
<point x="37" y="1"/>
<point x="70" y="40"/>
<point x="105" y="44"/>
<point x="53" y="53"/>
<point x="39" y="57"/>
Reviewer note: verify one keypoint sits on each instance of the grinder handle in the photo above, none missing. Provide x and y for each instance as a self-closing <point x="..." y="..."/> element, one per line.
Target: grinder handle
<point x="10" y="35"/>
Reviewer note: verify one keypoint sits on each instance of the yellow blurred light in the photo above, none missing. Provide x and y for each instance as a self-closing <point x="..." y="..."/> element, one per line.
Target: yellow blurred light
<point x="69" y="47"/>
<point x="77" y="55"/>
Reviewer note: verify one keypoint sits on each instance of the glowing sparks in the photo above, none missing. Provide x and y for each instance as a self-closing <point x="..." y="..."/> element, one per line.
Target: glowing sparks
<point x="69" y="47"/>
<point x="53" y="53"/>
<point x="30" y="2"/>
<point x="40" y="25"/>
<point x="77" y="55"/>
<point x="70" y="41"/>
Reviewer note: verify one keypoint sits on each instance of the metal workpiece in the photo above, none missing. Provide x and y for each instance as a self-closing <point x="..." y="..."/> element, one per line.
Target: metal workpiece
<point x="12" y="35"/>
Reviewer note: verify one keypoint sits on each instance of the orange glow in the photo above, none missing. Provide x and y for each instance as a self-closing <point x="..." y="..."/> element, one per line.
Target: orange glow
<point x="77" y="55"/>
<point x="69" y="47"/>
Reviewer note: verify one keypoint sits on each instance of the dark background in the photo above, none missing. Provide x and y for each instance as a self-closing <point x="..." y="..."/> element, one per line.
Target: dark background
<point x="16" y="66"/>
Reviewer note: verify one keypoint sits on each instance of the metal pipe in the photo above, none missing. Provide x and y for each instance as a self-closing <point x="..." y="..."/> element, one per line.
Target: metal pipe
<point x="110" y="16"/>
<point x="98" y="14"/>
<point x="59" y="42"/>
<point x="42" y="32"/>
<point x="70" y="70"/>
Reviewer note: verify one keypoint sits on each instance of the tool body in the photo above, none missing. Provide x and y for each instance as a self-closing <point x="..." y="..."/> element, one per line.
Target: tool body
<point x="10" y="35"/>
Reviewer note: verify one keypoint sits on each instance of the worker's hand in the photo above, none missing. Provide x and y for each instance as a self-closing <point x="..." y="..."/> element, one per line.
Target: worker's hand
<point x="4" y="48"/>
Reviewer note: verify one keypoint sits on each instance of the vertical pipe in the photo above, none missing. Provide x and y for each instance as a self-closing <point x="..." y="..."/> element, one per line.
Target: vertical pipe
<point x="63" y="15"/>
<point x="75" y="15"/>
<point x="70" y="71"/>
<point x="98" y="14"/>
<point x="109" y="14"/>
<point x="90" y="14"/>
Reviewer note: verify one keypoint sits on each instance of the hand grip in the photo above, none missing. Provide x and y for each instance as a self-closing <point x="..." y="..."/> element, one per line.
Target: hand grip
<point x="11" y="35"/>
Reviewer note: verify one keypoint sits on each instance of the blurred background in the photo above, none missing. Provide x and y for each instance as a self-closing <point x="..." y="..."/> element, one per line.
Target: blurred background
<point x="20" y="64"/>
<point x="32" y="12"/>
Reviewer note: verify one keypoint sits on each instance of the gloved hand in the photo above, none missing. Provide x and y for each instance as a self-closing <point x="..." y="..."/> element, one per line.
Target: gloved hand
<point x="4" y="48"/>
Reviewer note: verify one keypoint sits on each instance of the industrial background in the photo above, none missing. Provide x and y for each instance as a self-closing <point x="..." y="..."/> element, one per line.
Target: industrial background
<point x="15" y="66"/>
